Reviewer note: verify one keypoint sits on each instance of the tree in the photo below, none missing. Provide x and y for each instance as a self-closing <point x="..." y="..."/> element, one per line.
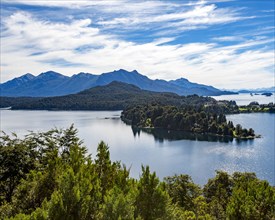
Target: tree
<point x="217" y="192"/>
<point x="152" y="199"/>
<point x="32" y="191"/>
<point x="200" y="208"/>
<point x="213" y="128"/>
<point x="182" y="190"/>
<point x="118" y="205"/>
<point x="244" y="132"/>
<point x="176" y="120"/>
<point x="230" y="124"/>
<point x="238" y="130"/>
<point x="221" y="119"/>
<point x="225" y="129"/>
<point x="253" y="199"/>
<point x="78" y="196"/>
<point x="104" y="168"/>
<point x="17" y="158"/>
<point x="253" y="104"/>
<point x="220" y="130"/>
<point x="251" y="132"/>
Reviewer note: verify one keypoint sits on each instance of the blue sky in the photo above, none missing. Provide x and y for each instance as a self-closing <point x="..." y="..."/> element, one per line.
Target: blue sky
<point x="225" y="43"/>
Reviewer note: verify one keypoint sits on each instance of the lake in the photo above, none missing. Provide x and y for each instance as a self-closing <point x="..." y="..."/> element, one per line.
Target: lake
<point x="165" y="152"/>
<point x="246" y="98"/>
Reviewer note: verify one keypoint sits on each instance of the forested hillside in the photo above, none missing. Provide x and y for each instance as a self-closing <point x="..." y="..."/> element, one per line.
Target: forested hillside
<point x="114" y="96"/>
<point x="49" y="175"/>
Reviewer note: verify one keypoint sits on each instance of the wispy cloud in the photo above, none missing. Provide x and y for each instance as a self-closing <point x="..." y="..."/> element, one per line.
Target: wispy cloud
<point x="31" y="44"/>
<point x="198" y="16"/>
<point x="228" y="38"/>
<point x="65" y="3"/>
<point x="128" y="15"/>
<point x="198" y="40"/>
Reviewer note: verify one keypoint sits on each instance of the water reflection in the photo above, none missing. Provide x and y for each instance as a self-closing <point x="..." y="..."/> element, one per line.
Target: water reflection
<point x="161" y="134"/>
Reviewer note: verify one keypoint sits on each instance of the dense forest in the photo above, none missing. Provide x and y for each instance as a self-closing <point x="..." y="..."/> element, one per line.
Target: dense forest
<point x="49" y="175"/>
<point x="119" y="96"/>
<point x="114" y="96"/>
<point x="196" y="118"/>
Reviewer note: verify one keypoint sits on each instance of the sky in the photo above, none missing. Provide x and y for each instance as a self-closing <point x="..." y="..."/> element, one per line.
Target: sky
<point x="228" y="44"/>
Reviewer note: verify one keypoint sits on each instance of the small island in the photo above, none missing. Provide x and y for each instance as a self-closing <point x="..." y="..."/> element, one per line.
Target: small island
<point x="267" y="93"/>
<point x="195" y="119"/>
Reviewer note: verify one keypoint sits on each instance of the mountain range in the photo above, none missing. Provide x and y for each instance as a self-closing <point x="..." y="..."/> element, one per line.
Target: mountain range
<point x="51" y="83"/>
<point x="259" y="90"/>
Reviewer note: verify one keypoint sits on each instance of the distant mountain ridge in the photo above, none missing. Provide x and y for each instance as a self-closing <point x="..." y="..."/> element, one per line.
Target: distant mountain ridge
<point x="51" y="83"/>
<point x="259" y="90"/>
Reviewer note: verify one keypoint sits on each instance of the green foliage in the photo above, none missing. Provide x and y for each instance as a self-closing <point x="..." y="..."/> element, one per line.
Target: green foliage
<point x="256" y="107"/>
<point x="194" y="117"/>
<point x="259" y="201"/>
<point x="104" y="168"/>
<point x="75" y="198"/>
<point x="17" y="158"/>
<point x="32" y="191"/>
<point x="217" y="193"/>
<point x="114" y="96"/>
<point x="56" y="179"/>
<point x="201" y="208"/>
<point x="118" y="205"/>
<point x="151" y="199"/>
<point x="182" y="190"/>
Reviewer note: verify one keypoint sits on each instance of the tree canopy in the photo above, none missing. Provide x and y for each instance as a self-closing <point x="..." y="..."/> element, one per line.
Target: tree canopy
<point x="191" y="118"/>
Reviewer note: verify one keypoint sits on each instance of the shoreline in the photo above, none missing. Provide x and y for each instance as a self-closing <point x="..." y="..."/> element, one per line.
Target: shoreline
<point x="128" y="122"/>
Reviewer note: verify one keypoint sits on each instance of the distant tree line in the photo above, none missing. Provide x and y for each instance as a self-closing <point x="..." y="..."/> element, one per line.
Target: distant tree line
<point x="189" y="118"/>
<point x="119" y="96"/>
<point x="256" y="107"/>
<point x="49" y="175"/>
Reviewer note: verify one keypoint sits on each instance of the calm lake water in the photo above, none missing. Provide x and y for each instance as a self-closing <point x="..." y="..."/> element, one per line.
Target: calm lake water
<point x="246" y="98"/>
<point x="165" y="152"/>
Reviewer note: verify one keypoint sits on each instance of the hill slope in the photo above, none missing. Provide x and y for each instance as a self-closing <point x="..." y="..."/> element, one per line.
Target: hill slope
<point x="114" y="96"/>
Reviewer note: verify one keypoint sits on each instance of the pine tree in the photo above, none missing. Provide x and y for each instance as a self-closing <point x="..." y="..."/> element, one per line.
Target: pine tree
<point x="152" y="199"/>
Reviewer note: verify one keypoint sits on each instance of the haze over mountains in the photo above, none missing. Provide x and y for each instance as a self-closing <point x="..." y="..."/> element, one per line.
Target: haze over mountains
<point x="259" y="90"/>
<point x="51" y="83"/>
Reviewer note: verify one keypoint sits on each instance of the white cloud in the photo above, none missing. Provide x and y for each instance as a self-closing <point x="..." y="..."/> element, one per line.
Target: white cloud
<point x="197" y="16"/>
<point x="31" y="45"/>
<point x="197" y="12"/>
<point x="128" y="15"/>
<point x="66" y="3"/>
<point x="228" y="38"/>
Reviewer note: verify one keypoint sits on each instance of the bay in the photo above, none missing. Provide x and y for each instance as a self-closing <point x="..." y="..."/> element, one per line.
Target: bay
<point x="166" y="152"/>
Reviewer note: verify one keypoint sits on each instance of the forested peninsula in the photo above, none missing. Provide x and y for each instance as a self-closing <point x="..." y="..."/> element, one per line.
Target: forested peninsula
<point x="191" y="118"/>
<point x="50" y="176"/>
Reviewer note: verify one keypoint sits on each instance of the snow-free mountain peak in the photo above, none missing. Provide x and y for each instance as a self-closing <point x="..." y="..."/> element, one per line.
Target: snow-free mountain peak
<point x="15" y="83"/>
<point x="51" y="83"/>
<point x="50" y="75"/>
